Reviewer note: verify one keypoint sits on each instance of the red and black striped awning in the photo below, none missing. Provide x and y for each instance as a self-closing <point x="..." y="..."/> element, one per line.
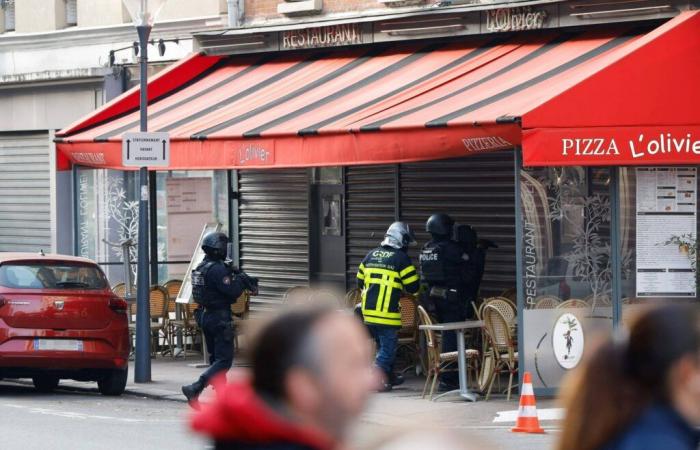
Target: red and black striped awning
<point x="389" y="104"/>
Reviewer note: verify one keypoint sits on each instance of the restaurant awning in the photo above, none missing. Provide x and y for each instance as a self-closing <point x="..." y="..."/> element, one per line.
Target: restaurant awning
<point x="401" y="103"/>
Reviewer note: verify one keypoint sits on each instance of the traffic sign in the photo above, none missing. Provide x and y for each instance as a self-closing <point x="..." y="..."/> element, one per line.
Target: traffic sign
<point x="146" y="149"/>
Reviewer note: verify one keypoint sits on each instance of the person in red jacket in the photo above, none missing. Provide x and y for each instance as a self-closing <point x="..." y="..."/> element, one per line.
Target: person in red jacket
<point x="311" y="377"/>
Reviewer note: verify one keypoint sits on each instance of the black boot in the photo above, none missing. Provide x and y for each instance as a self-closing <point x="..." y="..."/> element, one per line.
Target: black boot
<point x="396" y="379"/>
<point x="192" y="391"/>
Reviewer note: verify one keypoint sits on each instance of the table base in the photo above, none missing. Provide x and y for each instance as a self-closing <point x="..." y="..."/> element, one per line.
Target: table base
<point x="469" y="396"/>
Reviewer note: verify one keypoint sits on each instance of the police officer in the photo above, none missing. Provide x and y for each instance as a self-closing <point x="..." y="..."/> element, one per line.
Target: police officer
<point x="385" y="272"/>
<point x="215" y="287"/>
<point x="473" y="268"/>
<point x="442" y="262"/>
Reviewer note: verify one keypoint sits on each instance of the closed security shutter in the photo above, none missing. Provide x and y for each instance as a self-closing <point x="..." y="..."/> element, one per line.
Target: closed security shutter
<point x="274" y="231"/>
<point x="369" y="211"/>
<point x="479" y="191"/>
<point x="25" y="224"/>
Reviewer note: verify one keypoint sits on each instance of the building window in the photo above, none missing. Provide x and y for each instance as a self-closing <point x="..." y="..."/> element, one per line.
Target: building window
<point x="8" y="7"/>
<point x="71" y="13"/>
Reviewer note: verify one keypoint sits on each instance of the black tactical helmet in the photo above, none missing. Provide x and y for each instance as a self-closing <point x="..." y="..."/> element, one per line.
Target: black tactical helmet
<point x="440" y="224"/>
<point x="215" y="245"/>
<point x="466" y="237"/>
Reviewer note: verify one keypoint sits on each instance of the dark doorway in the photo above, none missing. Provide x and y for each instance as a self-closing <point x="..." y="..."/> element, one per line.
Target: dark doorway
<point x="328" y="228"/>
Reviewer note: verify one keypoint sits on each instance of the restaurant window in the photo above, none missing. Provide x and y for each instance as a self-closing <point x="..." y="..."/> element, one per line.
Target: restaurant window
<point x="187" y="202"/>
<point x="71" y="13"/>
<point x="8" y="7"/>
<point x="566" y="273"/>
<point x="107" y="213"/>
<point x="659" y="229"/>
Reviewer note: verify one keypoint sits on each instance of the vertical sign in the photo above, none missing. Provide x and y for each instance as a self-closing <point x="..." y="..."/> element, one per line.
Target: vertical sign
<point x="666" y="231"/>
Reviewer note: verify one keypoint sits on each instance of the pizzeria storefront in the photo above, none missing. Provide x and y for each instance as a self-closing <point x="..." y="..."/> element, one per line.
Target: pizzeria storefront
<point x="574" y="149"/>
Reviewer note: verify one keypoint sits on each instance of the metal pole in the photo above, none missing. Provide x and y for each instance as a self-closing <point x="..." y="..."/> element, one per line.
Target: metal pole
<point x="520" y="287"/>
<point x="142" y="371"/>
<point x="615" y="245"/>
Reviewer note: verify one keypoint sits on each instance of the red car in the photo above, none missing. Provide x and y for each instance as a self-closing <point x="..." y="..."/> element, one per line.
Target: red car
<point x="60" y="319"/>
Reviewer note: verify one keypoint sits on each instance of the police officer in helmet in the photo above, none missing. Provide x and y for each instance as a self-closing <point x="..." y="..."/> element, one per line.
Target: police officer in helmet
<point x="383" y="275"/>
<point x="442" y="263"/>
<point x="215" y="287"/>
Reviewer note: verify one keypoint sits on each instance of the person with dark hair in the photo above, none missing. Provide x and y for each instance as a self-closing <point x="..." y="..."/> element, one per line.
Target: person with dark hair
<point x="311" y="377"/>
<point x="641" y="392"/>
<point x="215" y="287"/>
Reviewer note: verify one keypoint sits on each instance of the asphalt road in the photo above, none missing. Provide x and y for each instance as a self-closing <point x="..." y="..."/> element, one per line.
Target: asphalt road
<point x="85" y="420"/>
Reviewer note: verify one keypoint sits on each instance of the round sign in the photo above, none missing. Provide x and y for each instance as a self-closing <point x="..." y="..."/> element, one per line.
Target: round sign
<point x="568" y="341"/>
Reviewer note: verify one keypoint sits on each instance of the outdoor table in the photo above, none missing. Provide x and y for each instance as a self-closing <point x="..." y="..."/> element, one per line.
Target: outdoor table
<point x="459" y="327"/>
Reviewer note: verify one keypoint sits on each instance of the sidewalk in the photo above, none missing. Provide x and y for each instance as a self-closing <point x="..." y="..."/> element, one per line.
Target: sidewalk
<point x="402" y="409"/>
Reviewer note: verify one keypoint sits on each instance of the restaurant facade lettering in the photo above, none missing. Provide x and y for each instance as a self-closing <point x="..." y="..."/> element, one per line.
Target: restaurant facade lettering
<point x="516" y="19"/>
<point x="330" y="36"/>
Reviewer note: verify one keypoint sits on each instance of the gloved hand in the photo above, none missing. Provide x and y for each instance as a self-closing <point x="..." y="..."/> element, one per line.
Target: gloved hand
<point x="486" y="244"/>
<point x="249" y="283"/>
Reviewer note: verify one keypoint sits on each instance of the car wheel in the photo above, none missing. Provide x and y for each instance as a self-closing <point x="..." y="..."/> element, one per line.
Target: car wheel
<point x="45" y="383"/>
<point x="113" y="384"/>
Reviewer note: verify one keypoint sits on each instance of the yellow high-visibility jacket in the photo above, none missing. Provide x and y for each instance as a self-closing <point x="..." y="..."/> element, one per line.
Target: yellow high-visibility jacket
<point x="383" y="275"/>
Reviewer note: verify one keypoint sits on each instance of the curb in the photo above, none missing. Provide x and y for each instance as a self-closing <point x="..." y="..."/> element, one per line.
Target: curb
<point x="172" y="397"/>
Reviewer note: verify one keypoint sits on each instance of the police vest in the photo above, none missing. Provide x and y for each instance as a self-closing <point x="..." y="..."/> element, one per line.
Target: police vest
<point x="440" y="264"/>
<point x="385" y="273"/>
<point x="204" y="291"/>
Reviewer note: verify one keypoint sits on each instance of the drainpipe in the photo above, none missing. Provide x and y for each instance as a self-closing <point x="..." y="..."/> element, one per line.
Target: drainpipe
<point x="236" y="10"/>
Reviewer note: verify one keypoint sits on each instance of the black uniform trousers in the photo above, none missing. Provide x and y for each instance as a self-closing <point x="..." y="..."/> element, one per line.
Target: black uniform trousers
<point x="217" y="325"/>
<point x="450" y="309"/>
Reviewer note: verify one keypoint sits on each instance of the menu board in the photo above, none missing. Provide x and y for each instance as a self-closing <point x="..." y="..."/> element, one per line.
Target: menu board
<point x="666" y="217"/>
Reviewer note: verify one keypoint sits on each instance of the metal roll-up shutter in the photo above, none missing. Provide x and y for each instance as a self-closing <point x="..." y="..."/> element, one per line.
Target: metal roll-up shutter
<point x="370" y="210"/>
<point x="274" y="231"/>
<point x="479" y="191"/>
<point x="25" y="222"/>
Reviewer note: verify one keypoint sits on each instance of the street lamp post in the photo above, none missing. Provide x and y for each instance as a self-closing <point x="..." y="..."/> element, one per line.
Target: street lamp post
<point x="143" y="13"/>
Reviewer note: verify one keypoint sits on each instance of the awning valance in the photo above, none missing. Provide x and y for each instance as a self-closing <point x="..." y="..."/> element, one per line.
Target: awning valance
<point x="389" y="104"/>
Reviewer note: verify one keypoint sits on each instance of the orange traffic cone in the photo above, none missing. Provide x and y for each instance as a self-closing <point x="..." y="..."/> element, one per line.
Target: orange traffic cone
<point x="527" y="413"/>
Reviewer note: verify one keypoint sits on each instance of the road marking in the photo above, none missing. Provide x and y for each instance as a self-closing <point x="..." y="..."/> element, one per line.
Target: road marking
<point x="542" y="414"/>
<point x="83" y="416"/>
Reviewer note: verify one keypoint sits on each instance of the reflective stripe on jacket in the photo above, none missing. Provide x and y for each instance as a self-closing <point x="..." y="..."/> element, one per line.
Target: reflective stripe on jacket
<point x="383" y="275"/>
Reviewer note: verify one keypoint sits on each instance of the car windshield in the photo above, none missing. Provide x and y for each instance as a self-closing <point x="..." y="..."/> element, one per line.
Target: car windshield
<point x="51" y="275"/>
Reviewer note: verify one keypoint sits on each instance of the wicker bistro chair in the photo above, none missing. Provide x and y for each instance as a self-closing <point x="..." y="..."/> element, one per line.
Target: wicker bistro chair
<point x="297" y="295"/>
<point x="158" y="308"/>
<point x="186" y="326"/>
<point x="352" y="298"/>
<point x="574" y="303"/>
<point x="502" y="345"/>
<point x="408" y="334"/>
<point x="442" y="362"/>
<point x="505" y="306"/>
<point x="173" y="288"/>
<point x="547" y="302"/>
<point x="240" y="310"/>
<point x="510" y="294"/>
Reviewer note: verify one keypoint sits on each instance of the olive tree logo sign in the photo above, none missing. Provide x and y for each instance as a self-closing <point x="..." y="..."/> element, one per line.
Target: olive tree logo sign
<point x="568" y="341"/>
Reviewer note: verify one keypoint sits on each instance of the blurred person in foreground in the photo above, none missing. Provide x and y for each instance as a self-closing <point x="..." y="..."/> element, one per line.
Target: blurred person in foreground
<point x="311" y="377"/>
<point x="641" y="391"/>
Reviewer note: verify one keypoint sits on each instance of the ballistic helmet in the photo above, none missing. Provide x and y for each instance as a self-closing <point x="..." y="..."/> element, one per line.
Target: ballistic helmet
<point x="399" y="235"/>
<point x="215" y="245"/>
<point x="440" y="224"/>
<point x="466" y="237"/>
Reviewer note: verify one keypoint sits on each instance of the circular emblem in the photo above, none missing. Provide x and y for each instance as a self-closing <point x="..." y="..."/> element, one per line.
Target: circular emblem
<point x="568" y="341"/>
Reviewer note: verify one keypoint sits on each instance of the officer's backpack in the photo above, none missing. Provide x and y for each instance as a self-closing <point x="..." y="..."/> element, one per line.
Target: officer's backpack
<point x="199" y="283"/>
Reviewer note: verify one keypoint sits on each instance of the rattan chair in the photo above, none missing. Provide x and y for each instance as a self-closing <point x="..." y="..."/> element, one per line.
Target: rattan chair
<point x="598" y="300"/>
<point x="502" y="345"/>
<point x="408" y="334"/>
<point x="119" y="290"/>
<point x="352" y="298"/>
<point x="186" y="325"/>
<point x="240" y="310"/>
<point x="442" y="362"/>
<point x="326" y="298"/>
<point x="573" y="303"/>
<point x="297" y="295"/>
<point x="505" y="306"/>
<point x="173" y="288"/>
<point x="547" y="302"/>
<point x="158" y="300"/>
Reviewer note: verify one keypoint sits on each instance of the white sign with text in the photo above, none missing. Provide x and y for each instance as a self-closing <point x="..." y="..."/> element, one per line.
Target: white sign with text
<point x="146" y="149"/>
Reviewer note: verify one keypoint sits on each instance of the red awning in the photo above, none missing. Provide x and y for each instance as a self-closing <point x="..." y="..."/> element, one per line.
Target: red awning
<point x="401" y="103"/>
